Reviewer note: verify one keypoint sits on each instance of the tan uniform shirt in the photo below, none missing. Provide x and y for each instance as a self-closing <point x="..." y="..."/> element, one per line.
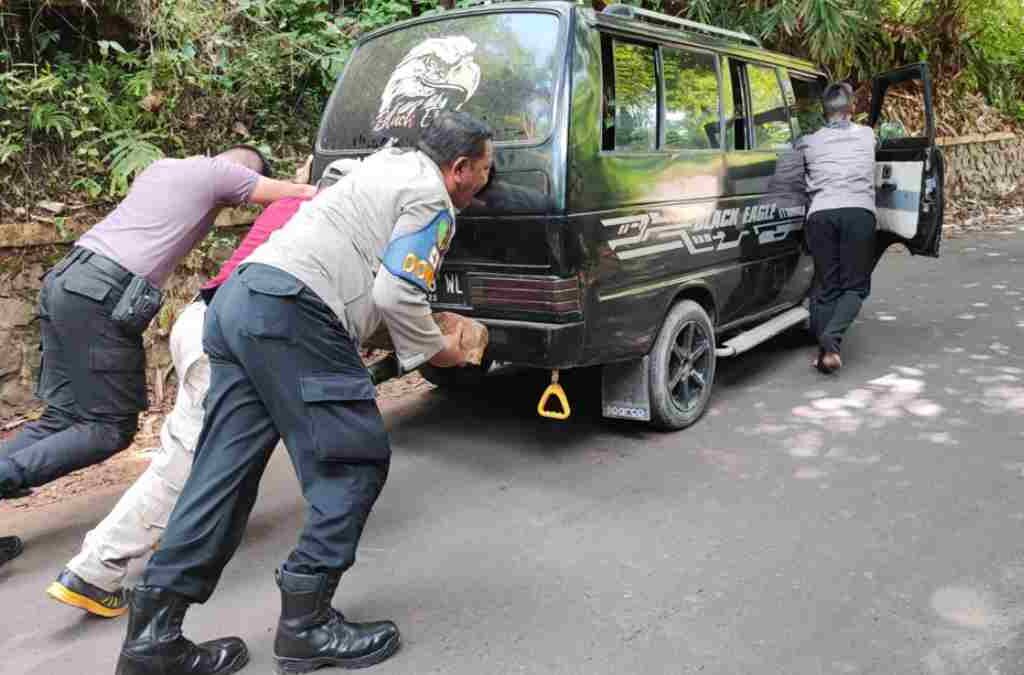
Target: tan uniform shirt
<point x="335" y="245"/>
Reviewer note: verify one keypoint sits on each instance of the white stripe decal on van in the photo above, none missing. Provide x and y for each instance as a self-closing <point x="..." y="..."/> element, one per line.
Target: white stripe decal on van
<point x="712" y="231"/>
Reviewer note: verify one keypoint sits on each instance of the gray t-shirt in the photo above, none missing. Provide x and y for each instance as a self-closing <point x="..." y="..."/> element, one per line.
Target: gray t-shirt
<point x="839" y="161"/>
<point x="170" y="207"/>
<point x="337" y="245"/>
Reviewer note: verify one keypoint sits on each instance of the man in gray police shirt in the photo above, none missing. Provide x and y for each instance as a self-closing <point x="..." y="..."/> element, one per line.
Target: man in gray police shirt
<point x="839" y="165"/>
<point x="282" y="335"/>
<point x="93" y="375"/>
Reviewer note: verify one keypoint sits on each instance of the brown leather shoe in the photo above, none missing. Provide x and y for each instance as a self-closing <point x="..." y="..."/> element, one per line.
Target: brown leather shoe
<point x="829" y="362"/>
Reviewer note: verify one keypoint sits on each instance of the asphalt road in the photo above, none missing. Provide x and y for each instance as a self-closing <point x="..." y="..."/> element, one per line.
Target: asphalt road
<point x="867" y="523"/>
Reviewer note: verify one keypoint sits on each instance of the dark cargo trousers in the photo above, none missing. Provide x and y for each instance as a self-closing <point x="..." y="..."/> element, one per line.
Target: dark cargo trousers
<point x="282" y="366"/>
<point x="92" y="377"/>
<point x="842" y="242"/>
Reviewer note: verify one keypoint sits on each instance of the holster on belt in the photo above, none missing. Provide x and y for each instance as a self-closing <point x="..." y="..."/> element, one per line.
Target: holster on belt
<point x="140" y="301"/>
<point x="138" y="305"/>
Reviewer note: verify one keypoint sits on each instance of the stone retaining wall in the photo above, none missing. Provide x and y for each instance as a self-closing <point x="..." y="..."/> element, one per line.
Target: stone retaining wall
<point x="983" y="168"/>
<point x="22" y="266"/>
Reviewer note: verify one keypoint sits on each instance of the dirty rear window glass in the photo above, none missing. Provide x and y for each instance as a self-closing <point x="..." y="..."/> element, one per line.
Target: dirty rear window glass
<point x="501" y="68"/>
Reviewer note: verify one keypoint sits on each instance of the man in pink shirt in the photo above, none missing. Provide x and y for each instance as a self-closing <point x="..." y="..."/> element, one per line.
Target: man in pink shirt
<point x="94" y="579"/>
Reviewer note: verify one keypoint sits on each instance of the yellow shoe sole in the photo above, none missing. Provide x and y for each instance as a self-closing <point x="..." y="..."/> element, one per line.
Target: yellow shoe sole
<point x="62" y="593"/>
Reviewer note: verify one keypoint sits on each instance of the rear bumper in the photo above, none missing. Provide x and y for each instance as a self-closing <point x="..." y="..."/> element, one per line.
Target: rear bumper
<point x="540" y="345"/>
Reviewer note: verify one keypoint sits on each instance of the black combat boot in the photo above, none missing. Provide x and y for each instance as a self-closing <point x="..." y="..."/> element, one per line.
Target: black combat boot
<point x="311" y="634"/>
<point x="155" y="646"/>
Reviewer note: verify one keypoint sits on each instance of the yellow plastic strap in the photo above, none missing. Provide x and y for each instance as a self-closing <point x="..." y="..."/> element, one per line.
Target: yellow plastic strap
<point x="554" y="389"/>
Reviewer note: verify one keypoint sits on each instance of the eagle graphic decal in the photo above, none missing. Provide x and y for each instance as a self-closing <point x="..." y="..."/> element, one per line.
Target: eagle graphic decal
<point x="436" y="75"/>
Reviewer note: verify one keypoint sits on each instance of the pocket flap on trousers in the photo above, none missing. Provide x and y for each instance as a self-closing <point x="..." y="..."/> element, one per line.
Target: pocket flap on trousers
<point x="94" y="289"/>
<point x="336" y="387"/>
<point x="270" y="281"/>
<point x="115" y="359"/>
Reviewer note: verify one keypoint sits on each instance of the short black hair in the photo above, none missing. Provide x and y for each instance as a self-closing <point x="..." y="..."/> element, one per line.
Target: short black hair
<point x="265" y="168"/>
<point x="455" y="134"/>
<point x="838" y="98"/>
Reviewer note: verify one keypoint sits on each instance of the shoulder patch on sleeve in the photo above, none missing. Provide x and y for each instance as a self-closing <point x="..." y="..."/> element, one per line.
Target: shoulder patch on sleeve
<point x="416" y="256"/>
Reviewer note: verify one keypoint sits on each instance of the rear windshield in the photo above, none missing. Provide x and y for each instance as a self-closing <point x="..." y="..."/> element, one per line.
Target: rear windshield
<point x="501" y="68"/>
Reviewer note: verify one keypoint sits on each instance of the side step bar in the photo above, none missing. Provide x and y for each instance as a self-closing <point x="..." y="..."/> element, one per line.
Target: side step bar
<point x="758" y="334"/>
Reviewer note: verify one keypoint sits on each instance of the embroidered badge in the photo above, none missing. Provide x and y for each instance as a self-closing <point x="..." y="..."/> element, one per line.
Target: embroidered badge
<point x="416" y="256"/>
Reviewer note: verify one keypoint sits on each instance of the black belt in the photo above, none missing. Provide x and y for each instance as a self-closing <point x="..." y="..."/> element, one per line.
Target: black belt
<point x="101" y="262"/>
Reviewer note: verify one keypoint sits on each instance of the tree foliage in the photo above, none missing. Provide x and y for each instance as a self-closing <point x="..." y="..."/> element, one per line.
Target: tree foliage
<point x="975" y="45"/>
<point x="91" y="91"/>
<point x="88" y="97"/>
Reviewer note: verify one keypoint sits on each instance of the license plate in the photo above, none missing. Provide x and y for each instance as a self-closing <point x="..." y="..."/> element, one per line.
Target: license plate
<point x="451" y="289"/>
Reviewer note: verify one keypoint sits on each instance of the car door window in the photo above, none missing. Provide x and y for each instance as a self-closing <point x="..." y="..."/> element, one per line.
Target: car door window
<point x="768" y="107"/>
<point x="634" y="98"/>
<point x="806" y="110"/>
<point x="691" y="100"/>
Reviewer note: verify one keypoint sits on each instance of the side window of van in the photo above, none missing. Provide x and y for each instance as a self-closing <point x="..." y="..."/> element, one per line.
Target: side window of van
<point x="691" y="100"/>
<point x="806" y="112"/>
<point x="631" y="97"/>
<point x="767" y="127"/>
<point x="768" y="107"/>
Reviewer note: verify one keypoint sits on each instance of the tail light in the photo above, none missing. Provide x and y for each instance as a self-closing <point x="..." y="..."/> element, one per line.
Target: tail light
<point x="543" y="298"/>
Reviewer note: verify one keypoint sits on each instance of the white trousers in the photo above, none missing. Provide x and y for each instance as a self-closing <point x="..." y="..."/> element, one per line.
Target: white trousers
<point x="136" y="523"/>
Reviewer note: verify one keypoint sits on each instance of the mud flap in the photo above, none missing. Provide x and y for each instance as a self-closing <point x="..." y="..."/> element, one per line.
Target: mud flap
<point x="626" y="391"/>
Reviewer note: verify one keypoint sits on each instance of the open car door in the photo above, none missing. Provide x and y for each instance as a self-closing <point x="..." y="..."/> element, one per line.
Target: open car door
<point x="909" y="167"/>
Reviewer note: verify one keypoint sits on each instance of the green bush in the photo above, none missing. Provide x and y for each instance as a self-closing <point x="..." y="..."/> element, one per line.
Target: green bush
<point x="83" y="114"/>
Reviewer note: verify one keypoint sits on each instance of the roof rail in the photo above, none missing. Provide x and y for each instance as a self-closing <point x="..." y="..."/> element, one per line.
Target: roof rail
<point x="630" y="12"/>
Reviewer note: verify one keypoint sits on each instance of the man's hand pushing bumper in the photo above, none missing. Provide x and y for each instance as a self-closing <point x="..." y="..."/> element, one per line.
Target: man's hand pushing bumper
<point x="465" y="341"/>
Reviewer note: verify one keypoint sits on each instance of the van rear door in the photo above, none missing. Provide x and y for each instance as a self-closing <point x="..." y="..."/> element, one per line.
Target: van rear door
<point x="909" y="167"/>
<point x="504" y="66"/>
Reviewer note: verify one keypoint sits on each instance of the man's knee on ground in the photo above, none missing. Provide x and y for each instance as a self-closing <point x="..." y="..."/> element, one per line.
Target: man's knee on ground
<point x="115" y="436"/>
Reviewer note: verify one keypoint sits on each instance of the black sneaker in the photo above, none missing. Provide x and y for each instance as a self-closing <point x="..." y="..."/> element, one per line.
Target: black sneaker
<point x="73" y="590"/>
<point x="10" y="548"/>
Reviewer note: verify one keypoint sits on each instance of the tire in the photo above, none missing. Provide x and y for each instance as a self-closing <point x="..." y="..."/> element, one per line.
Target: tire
<point x="684" y="351"/>
<point x="455" y="379"/>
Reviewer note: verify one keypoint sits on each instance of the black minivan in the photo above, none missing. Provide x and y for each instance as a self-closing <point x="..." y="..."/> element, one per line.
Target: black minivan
<point x="643" y="215"/>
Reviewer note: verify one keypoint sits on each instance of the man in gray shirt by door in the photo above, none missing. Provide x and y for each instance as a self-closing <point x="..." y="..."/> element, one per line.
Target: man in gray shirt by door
<point x="839" y="165"/>
<point x="93" y="375"/>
